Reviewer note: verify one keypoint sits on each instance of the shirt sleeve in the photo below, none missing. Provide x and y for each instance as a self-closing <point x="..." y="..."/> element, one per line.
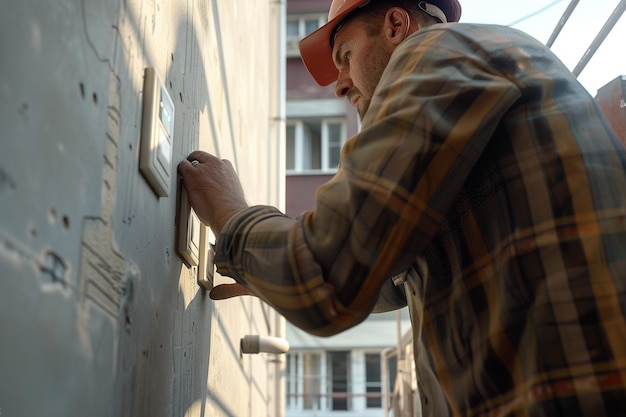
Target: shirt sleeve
<point x="434" y="110"/>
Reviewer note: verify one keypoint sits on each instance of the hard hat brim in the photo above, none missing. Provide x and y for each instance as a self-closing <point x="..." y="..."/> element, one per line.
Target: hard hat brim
<point x="316" y="52"/>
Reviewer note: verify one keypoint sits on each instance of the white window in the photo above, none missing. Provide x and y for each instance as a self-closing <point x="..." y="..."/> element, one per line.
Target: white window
<point x="300" y="26"/>
<point x="314" y="144"/>
<point x="304" y="381"/>
<point x="373" y="381"/>
<point x="339" y="380"/>
<point x="322" y="382"/>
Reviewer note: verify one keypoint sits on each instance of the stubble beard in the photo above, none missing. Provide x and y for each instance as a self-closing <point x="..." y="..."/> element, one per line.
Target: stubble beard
<point x="375" y="68"/>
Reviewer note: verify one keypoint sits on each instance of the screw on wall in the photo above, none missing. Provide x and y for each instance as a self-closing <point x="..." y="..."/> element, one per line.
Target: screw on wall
<point x="54" y="269"/>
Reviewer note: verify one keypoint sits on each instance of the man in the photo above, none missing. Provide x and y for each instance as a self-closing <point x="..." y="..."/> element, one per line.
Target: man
<point x="485" y="190"/>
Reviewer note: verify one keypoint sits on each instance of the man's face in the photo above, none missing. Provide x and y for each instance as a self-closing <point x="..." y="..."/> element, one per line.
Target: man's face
<point x="360" y="59"/>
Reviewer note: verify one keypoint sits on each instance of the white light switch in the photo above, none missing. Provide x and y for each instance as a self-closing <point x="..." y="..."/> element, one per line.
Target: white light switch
<point x="157" y="129"/>
<point x="189" y="232"/>
<point x="206" y="266"/>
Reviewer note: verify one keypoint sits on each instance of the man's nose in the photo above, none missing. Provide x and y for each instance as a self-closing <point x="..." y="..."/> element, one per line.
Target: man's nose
<point x="343" y="86"/>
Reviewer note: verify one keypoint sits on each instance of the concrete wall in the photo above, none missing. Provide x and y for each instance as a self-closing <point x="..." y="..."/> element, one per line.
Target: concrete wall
<point x="98" y="315"/>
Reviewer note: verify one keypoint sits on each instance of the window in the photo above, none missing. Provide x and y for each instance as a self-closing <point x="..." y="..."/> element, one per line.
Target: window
<point x="300" y="26"/>
<point x="339" y="380"/>
<point x="311" y="377"/>
<point x="314" y="144"/>
<point x="327" y="381"/>
<point x="304" y="381"/>
<point x="292" y="381"/>
<point x="373" y="383"/>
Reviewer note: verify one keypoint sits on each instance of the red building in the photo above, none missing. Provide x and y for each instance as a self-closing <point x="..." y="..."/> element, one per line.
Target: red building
<point x="612" y="100"/>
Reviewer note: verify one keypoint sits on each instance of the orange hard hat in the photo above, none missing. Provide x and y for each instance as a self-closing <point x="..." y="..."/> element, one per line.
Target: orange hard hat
<point x="316" y="50"/>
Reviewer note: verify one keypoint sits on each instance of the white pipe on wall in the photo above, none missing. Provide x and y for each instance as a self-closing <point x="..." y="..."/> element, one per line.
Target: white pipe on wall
<point x="253" y="343"/>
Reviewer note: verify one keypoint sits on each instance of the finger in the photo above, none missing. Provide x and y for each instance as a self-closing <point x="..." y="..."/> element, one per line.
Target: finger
<point x="184" y="166"/>
<point x="199" y="156"/>
<point x="225" y="291"/>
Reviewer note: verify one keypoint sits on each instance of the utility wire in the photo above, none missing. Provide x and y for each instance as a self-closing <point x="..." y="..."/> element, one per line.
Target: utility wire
<point x="533" y="14"/>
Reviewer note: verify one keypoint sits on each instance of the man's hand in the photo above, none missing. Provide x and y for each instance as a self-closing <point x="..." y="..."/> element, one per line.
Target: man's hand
<point x="215" y="193"/>
<point x="214" y="190"/>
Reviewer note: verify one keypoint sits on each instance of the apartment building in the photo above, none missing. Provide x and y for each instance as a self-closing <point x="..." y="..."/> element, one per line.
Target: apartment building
<point x="344" y="374"/>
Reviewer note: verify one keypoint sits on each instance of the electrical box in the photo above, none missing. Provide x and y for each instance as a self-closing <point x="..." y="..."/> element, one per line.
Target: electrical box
<point x="189" y="232"/>
<point x="157" y="129"/>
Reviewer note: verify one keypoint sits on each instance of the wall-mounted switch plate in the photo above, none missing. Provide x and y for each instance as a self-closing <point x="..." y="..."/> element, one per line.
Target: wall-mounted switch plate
<point x="206" y="265"/>
<point x="189" y="231"/>
<point x="157" y="130"/>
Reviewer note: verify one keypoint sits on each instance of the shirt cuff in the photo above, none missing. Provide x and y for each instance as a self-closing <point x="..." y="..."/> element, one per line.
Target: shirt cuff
<point x="233" y="232"/>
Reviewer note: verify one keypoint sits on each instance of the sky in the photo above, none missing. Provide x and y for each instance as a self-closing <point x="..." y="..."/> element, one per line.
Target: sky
<point x="539" y="18"/>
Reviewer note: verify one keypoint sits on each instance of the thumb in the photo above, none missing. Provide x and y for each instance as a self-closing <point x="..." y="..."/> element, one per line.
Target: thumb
<point x="224" y="291"/>
<point x="184" y="166"/>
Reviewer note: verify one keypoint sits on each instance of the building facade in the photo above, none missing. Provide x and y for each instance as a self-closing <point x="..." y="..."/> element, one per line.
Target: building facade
<point x="346" y="374"/>
<point x="351" y="374"/>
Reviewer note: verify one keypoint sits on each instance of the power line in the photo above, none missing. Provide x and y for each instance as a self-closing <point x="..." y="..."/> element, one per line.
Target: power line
<point x="535" y="13"/>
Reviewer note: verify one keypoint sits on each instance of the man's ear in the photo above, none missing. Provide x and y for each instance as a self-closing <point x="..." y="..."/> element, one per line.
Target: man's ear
<point x="398" y="25"/>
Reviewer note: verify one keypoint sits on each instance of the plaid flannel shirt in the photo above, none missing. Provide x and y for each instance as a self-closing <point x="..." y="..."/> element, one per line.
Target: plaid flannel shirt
<point x="486" y="173"/>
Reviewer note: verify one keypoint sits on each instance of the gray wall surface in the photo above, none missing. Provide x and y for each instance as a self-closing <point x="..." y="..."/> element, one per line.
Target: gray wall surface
<point x="98" y="314"/>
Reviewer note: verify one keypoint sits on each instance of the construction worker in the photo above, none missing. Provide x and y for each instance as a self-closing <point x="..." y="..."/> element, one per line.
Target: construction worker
<point x="485" y="190"/>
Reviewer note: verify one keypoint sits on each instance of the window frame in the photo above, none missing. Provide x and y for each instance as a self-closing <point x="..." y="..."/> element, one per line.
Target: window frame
<point x="357" y="383"/>
<point x="332" y="379"/>
<point x="295" y="379"/>
<point x="377" y="384"/>
<point x="292" y="41"/>
<point x="302" y="19"/>
<point x="299" y="146"/>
